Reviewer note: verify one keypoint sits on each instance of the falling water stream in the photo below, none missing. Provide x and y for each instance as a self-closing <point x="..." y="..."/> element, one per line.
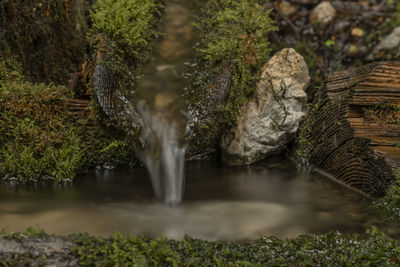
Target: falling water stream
<point x="163" y="154"/>
<point x="159" y="85"/>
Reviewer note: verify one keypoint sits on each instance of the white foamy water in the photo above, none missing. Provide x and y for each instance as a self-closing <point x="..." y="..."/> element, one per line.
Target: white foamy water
<point x="163" y="155"/>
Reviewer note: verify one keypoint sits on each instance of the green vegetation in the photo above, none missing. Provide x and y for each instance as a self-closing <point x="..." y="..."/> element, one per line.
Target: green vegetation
<point x="389" y="114"/>
<point x="304" y="142"/>
<point x="33" y="231"/>
<point x="390" y="204"/>
<point x="122" y="32"/>
<point x="235" y="37"/>
<point x="47" y="37"/>
<point x="129" y="24"/>
<point x="40" y="135"/>
<point x="333" y="249"/>
<point x="392" y="22"/>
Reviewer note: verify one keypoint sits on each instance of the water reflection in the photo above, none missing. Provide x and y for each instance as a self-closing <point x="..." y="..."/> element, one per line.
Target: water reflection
<point x="221" y="202"/>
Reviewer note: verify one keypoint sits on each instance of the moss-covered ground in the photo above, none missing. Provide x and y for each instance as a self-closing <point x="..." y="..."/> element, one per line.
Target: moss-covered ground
<point x="41" y="136"/>
<point x="333" y="249"/>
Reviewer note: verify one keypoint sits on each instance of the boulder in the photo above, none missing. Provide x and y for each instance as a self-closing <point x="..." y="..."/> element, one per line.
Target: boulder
<point x="269" y="121"/>
<point x="391" y="41"/>
<point x="388" y="47"/>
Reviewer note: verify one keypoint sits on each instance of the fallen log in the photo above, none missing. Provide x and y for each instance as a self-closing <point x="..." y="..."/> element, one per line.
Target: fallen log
<point x="352" y="130"/>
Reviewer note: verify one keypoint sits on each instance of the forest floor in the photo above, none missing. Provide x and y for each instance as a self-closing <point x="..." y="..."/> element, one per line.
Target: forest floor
<point x="35" y="248"/>
<point x="349" y="38"/>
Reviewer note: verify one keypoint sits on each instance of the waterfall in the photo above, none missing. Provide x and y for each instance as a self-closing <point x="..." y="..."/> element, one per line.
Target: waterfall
<point x="163" y="154"/>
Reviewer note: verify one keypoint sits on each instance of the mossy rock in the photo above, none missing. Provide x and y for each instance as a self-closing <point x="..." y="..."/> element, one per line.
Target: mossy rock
<point x="121" y="40"/>
<point x="233" y="48"/>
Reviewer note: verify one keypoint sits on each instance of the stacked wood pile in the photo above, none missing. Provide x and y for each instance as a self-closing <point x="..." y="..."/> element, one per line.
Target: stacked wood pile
<point x="354" y="130"/>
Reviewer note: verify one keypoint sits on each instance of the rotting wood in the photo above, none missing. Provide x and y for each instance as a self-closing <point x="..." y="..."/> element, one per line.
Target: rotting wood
<point x="354" y="132"/>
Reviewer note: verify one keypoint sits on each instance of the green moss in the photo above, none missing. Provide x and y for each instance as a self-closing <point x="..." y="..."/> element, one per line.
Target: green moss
<point x="389" y="114"/>
<point x="391" y="22"/>
<point x="48" y="37"/>
<point x="130" y="24"/>
<point x="235" y="36"/>
<point x="124" y="251"/>
<point x="40" y="135"/>
<point x="237" y="33"/>
<point x="304" y="143"/>
<point x="123" y="31"/>
<point x="33" y="231"/>
<point x="333" y="249"/>
<point x="121" y="38"/>
<point x="390" y="204"/>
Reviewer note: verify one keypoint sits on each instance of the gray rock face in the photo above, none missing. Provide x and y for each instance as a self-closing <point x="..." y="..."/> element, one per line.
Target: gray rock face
<point x="56" y="251"/>
<point x="270" y="120"/>
<point x="389" y="43"/>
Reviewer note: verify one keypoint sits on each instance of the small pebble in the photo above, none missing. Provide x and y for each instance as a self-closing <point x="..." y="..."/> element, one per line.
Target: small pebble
<point x="322" y="14"/>
<point x="286" y="8"/>
<point x="353" y="49"/>
<point x="358" y="32"/>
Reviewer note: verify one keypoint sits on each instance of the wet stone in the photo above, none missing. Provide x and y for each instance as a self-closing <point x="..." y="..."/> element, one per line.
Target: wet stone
<point x="391" y="41"/>
<point x="269" y="121"/>
<point x="358" y="32"/>
<point x="322" y="14"/>
<point x="286" y="9"/>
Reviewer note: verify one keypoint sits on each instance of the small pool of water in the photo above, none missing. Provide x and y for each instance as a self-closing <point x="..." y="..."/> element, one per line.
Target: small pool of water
<point x="220" y="202"/>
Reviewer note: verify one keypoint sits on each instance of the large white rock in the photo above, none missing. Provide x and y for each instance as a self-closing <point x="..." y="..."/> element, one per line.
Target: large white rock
<point x="270" y="120"/>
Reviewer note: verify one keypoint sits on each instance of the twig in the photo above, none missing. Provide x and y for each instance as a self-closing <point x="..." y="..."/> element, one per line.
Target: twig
<point x="201" y="155"/>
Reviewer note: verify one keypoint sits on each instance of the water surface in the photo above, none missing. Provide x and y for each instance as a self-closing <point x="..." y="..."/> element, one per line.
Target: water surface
<point x="220" y="202"/>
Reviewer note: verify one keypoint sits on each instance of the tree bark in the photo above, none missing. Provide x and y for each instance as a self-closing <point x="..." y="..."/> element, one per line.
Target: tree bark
<point x="353" y="131"/>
